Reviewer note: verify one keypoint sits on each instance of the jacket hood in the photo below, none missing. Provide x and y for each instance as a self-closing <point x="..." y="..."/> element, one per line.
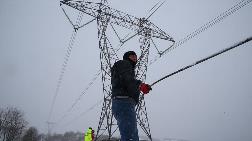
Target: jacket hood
<point x="126" y="57"/>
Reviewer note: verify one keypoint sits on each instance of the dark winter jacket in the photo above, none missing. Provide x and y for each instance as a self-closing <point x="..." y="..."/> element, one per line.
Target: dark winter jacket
<point x="123" y="80"/>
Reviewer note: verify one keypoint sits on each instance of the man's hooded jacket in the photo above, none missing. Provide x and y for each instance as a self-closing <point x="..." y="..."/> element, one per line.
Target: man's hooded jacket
<point x="123" y="78"/>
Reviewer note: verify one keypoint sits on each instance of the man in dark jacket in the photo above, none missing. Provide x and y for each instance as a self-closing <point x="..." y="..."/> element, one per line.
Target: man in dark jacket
<point x="125" y="95"/>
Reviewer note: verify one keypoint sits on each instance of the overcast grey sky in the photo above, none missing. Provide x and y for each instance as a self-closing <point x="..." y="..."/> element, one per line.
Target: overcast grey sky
<point x="209" y="102"/>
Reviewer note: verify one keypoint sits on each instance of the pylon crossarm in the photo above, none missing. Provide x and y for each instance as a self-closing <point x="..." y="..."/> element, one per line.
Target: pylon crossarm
<point x="118" y="18"/>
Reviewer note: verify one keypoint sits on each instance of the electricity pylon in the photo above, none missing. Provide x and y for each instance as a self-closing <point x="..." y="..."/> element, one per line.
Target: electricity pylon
<point x="49" y="127"/>
<point x="106" y="16"/>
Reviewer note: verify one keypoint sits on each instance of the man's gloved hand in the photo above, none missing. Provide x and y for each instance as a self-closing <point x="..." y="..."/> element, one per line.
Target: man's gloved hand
<point x="145" y="88"/>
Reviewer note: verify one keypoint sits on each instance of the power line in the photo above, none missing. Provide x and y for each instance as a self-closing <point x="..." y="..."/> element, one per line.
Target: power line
<point x="67" y="55"/>
<point x="84" y="113"/>
<point x="136" y="33"/>
<point x="62" y="72"/>
<point x="86" y="89"/>
<point x="156" y="8"/>
<point x="203" y="28"/>
<point x="80" y="96"/>
<point x="64" y="65"/>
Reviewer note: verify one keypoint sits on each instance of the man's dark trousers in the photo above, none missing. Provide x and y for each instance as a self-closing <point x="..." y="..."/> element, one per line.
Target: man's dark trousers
<point x="125" y="114"/>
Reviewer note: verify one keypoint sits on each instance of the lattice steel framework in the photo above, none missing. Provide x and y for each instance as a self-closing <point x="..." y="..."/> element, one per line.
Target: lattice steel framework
<point x="106" y="15"/>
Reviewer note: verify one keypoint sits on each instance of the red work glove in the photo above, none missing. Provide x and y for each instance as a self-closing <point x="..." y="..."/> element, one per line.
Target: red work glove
<point x="145" y="88"/>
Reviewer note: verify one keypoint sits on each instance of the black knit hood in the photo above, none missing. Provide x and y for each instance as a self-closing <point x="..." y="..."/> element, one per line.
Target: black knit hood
<point x="126" y="57"/>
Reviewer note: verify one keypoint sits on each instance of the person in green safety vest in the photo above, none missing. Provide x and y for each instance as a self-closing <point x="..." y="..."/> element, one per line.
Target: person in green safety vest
<point x="88" y="135"/>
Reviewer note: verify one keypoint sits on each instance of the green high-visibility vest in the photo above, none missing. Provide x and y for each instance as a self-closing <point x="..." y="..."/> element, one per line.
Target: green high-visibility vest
<point x="88" y="135"/>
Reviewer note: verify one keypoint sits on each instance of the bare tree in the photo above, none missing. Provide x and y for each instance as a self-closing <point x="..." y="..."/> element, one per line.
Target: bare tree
<point x="12" y="123"/>
<point x="1" y="121"/>
<point x="31" y="134"/>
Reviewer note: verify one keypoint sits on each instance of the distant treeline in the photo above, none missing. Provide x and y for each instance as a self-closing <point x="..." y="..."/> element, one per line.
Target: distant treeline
<point x="14" y="127"/>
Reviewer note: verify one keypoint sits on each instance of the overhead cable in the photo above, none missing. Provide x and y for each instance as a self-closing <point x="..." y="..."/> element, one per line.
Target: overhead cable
<point x="64" y="65"/>
<point x="203" y="28"/>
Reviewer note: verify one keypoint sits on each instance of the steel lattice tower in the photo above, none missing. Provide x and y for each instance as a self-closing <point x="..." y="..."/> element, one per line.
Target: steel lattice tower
<point x="105" y="16"/>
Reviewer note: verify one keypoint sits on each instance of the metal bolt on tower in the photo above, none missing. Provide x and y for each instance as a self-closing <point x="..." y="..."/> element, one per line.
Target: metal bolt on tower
<point x="105" y="16"/>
